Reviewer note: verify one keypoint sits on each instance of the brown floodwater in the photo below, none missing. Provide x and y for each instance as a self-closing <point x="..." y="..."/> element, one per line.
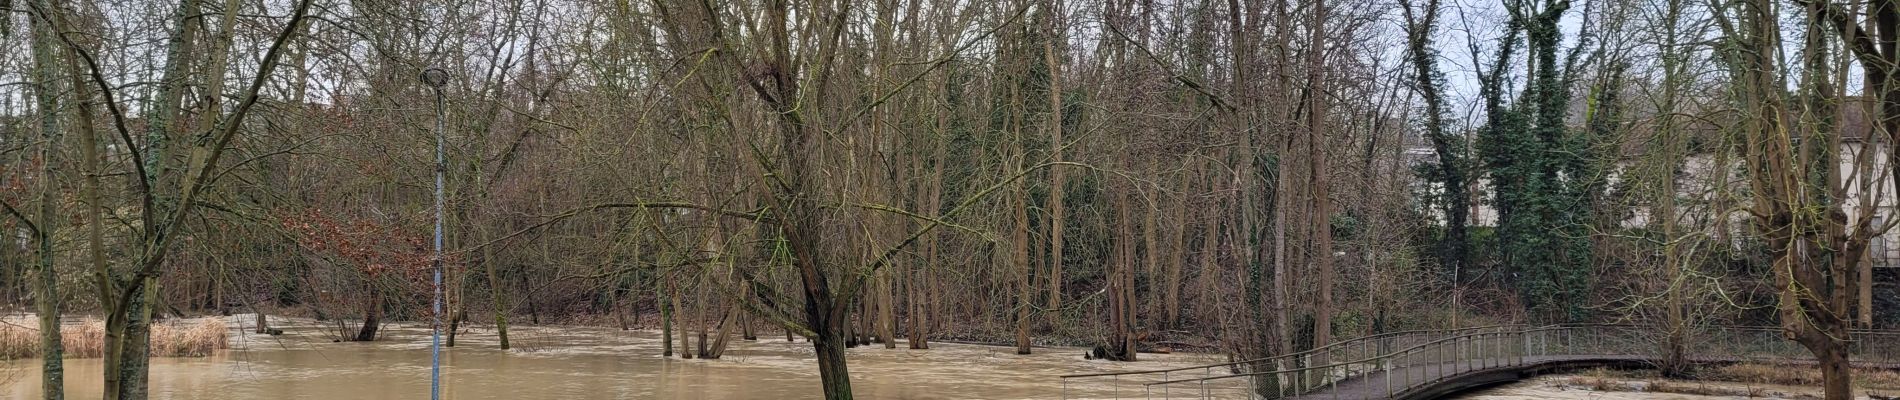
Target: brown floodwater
<point x="580" y="363"/>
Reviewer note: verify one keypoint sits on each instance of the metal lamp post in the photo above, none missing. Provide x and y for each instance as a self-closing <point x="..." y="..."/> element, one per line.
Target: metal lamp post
<point x="436" y="77"/>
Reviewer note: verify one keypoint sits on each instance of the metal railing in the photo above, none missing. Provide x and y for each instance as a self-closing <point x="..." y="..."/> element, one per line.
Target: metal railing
<point x="1134" y="382"/>
<point x="1384" y="366"/>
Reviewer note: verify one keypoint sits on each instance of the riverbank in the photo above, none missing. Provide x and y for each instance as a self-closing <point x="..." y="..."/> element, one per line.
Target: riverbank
<point x="1740" y="381"/>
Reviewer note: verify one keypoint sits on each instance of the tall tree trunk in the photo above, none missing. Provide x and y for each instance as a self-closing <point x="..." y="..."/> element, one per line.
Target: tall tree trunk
<point x="1211" y="216"/>
<point x="1812" y="254"/>
<point x="1675" y="314"/>
<point x="125" y="330"/>
<point x="46" y="300"/>
<point x="1177" y="251"/>
<point x="1448" y="147"/>
<point x="1151" y="250"/>
<point x="1057" y="185"/>
<point x="921" y="307"/>
<point x="1121" y="272"/>
<point x="1024" y="291"/>
<point x="1319" y="169"/>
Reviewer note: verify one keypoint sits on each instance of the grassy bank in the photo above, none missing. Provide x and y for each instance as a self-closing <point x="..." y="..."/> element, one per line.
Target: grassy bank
<point x="1738" y="380"/>
<point x="1798" y="375"/>
<point x="190" y="338"/>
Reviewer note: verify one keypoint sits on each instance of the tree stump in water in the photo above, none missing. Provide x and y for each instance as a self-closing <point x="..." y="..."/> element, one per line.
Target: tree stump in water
<point x="455" y="324"/>
<point x="1106" y="353"/>
<point x="370" y="325"/>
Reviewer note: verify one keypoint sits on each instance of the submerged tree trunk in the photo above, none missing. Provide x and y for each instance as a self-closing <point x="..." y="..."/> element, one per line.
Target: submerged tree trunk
<point x="372" y="317"/>
<point x="661" y="301"/>
<point x="686" y="341"/>
<point x="886" y="317"/>
<point x="717" y="348"/>
<point x="495" y="298"/>
<point x="745" y="327"/>
<point x="1121" y="343"/>
<point x="1025" y="296"/>
<point x="455" y="325"/>
<point x="832" y="373"/>
<point x="135" y="352"/>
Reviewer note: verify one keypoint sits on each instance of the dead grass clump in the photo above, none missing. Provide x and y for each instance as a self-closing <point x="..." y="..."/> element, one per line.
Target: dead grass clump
<point x="87" y="339"/>
<point x="1796" y="375"/>
<point x="17" y="342"/>
<point x="1765" y="373"/>
<point x="1610" y="373"/>
<point x="189" y="339"/>
<point x="1599" y="383"/>
<point x="1879" y="378"/>
<point x="1699" y="389"/>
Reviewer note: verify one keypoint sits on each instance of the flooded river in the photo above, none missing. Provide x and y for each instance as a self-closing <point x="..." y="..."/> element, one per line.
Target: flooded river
<point x="604" y="363"/>
<point x="579" y="363"/>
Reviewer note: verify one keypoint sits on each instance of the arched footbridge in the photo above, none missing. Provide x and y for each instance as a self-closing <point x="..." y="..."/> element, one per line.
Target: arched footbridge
<point x="1429" y="364"/>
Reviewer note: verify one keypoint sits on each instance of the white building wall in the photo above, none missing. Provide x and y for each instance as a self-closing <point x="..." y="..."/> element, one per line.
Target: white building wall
<point x="1700" y="183"/>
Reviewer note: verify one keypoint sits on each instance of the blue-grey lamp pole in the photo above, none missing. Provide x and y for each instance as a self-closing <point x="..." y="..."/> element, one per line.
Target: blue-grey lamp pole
<point x="436" y="77"/>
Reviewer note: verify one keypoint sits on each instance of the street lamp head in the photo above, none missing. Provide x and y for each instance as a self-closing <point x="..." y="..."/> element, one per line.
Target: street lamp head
<point x="435" y="77"/>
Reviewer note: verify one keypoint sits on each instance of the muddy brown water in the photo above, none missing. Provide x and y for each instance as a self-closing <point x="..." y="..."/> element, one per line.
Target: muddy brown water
<point x="580" y="363"/>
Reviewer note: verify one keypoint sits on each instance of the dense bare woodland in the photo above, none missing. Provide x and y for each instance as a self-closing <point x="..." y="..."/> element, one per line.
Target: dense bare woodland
<point x="1244" y="177"/>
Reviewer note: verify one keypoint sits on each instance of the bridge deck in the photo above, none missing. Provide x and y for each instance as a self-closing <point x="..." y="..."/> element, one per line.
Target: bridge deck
<point x="1374" y="385"/>
<point x="1448" y="378"/>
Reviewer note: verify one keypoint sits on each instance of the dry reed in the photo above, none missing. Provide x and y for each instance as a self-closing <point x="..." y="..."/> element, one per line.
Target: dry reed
<point x="1799" y="375"/>
<point x="197" y="338"/>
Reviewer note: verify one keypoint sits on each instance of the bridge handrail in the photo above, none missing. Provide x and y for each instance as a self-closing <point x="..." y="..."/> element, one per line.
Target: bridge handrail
<point x="1386" y="356"/>
<point x="1505" y="355"/>
<point x="1335" y="345"/>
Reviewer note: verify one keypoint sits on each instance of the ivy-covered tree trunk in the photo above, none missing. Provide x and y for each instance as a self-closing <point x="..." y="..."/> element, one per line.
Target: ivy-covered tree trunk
<point x="46" y="299"/>
<point x="1455" y="203"/>
<point x="1538" y="169"/>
